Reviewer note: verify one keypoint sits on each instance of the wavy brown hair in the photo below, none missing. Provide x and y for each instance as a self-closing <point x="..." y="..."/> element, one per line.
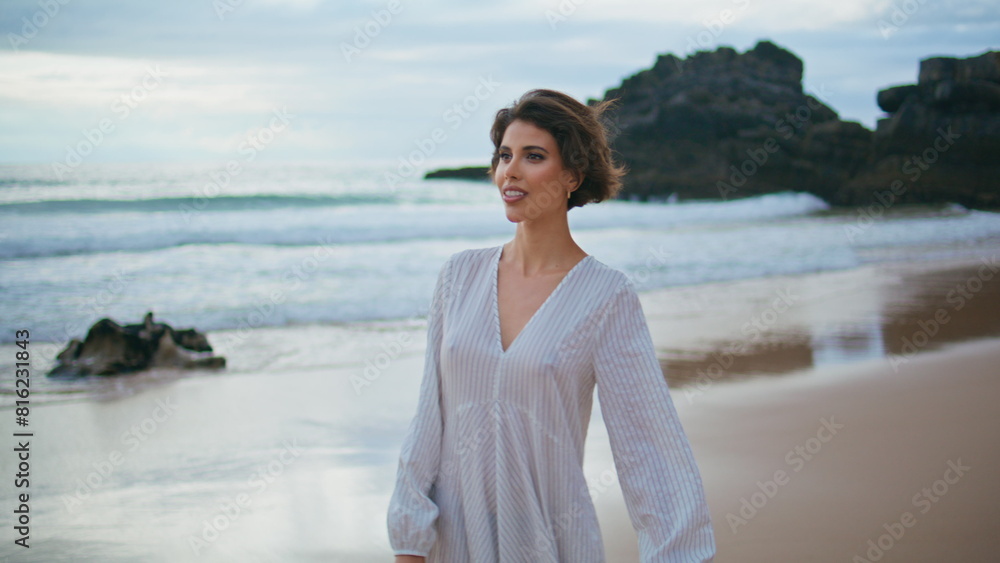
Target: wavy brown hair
<point x="580" y="134"/>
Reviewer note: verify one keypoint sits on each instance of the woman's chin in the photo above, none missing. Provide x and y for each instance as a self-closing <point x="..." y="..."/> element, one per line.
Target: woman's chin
<point x="514" y="215"/>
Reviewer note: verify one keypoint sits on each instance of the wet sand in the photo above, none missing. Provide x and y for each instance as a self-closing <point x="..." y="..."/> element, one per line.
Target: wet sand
<point x="290" y="454"/>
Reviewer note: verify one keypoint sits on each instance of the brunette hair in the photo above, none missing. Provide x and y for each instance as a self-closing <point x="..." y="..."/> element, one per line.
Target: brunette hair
<point x="580" y="134"/>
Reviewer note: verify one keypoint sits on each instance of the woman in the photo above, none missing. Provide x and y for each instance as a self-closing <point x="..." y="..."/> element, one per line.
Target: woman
<point x="518" y="336"/>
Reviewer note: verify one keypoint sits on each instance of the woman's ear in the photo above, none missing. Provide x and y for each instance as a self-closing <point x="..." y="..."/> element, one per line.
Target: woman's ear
<point x="573" y="179"/>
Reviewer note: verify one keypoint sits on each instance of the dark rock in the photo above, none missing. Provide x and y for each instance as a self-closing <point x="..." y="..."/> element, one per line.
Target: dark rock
<point x="984" y="67"/>
<point x="725" y="124"/>
<point x="890" y="99"/>
<point x="467" y="173"/>
<point x="192" y="340"/>
<point x="111" y="349"/>
<point x="972" y="95"/>
<point x="941" y="140"/>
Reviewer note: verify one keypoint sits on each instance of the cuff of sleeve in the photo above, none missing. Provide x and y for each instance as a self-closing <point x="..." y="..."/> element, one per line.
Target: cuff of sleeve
<point x="410" y="552"/>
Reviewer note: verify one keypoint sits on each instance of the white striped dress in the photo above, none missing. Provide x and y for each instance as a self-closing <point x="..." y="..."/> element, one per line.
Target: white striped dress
<point x="491" y="467"/>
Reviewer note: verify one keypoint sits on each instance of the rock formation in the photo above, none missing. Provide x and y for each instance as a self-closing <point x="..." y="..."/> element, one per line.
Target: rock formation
<point x="480" y="173"/>
<point x="724" y="124"/>
<point x="941" y="139"/>
<point x="111" y="349"/>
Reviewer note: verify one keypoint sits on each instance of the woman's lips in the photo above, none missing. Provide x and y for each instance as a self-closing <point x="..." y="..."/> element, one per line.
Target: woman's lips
<point x="512" y="195"/>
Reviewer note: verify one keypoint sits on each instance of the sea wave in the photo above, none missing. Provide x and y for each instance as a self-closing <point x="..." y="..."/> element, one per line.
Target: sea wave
<point x="54" y="228"/>
<point x="191" y="204"/>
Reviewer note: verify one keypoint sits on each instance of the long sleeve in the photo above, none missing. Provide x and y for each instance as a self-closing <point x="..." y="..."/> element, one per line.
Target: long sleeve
<point x="656" y="468"/>
<point x="412" y="512"/>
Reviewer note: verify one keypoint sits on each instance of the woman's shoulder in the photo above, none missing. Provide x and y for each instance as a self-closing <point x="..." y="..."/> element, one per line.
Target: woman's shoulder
<point x="471" y="259"/>
<point x="469" y="263"/>
<point x="474" y="255"/>
<point x="611" y="280"/>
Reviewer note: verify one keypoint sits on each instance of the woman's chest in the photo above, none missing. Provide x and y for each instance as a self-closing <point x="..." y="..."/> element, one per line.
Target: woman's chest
<point x="549" y="358"/>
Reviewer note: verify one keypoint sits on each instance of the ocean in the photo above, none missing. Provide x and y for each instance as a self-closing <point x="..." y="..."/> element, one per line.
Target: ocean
<point x="284" y="244"/>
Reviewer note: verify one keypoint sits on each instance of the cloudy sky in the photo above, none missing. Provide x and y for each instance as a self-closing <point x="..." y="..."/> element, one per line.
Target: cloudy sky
<point x="308" y="80"/>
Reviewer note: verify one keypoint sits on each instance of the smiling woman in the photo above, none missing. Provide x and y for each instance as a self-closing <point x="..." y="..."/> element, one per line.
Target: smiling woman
<point x="519" y="336"/>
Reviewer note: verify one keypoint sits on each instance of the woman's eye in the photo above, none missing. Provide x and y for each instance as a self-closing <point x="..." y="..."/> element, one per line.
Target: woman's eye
<point x="536" y="156"/>
<point x="504" y="156"/>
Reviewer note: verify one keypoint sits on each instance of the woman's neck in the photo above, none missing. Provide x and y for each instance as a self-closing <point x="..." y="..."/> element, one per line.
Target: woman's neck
<point x="541" y="247"/>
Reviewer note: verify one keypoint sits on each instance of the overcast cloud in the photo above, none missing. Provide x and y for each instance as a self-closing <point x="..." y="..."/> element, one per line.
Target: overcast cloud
<point x="365" y="84"/>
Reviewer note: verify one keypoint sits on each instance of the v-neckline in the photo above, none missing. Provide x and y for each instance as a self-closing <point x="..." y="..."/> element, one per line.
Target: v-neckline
<point x="496" y="301"/>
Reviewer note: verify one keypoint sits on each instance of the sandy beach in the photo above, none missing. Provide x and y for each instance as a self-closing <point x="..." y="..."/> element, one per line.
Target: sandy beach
<point x="839" y="416"/>
<point x="814" y="467"/>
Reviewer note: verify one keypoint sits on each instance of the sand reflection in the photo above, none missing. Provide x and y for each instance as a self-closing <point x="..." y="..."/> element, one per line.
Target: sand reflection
<point x="837" y="320"/>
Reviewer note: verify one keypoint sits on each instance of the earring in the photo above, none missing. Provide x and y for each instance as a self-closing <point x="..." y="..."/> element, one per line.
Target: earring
<point x="569" y="195"/>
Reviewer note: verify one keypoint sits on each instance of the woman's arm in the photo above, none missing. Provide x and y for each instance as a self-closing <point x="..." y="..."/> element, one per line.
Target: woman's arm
<point x="412" y="512"/>
<point x="410" y="559"/>
<point x="656" y="468"/>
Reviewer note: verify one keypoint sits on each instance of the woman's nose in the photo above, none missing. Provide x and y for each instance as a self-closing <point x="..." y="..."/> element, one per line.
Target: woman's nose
<point x="511" y="170"/>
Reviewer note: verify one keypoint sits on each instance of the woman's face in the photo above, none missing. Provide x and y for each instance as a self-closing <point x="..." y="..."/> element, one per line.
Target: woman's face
<point x="530" y="174"/>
